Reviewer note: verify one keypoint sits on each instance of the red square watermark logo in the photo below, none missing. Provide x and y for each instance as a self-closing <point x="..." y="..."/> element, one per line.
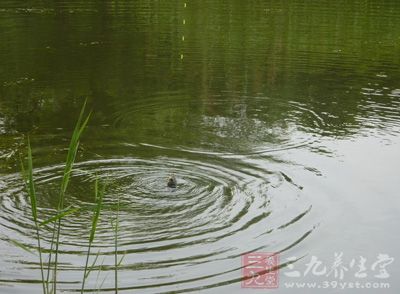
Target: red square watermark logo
<point x="260" y="270"/>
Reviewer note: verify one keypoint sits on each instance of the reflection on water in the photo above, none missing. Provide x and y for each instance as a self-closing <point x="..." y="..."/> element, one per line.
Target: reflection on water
<point x="280" y="120"/>
<point x="236" y="124"/>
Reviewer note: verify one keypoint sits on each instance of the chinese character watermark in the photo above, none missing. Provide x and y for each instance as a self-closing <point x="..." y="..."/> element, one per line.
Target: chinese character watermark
<point x="260" y="270"/>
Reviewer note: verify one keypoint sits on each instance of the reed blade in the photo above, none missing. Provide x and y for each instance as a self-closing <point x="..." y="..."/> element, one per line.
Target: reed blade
<point x="70" y="160"/>
<point x="99" y="202"/>
<point x="62" y="214"/>
<point x="27" y="176"/>
<point x="20" y="245"/>
<point x="116" y="263"/>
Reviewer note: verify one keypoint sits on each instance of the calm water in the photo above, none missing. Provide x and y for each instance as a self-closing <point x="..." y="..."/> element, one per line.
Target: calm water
<point x="280" y="120"/>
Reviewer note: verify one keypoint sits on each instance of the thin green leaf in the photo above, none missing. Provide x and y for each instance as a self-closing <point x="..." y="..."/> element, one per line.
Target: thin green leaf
<point x="96" y="214"/>
<point x="22" y="246"/>
<point x="65" y="212"/>
<point x="70" y="160"/>
<point x="99" y="270"/>
<point x="102" y="283"/>
<point x="23" y="172"/>
<point x="98" y="275"/>
<point x="120" y="261"/>
<point x="99" y="199"/>
<point x="73" y="147"/>
<point x="31" y="186"/>
<point x="90" y="268"/>
<point x="116" y="228"/>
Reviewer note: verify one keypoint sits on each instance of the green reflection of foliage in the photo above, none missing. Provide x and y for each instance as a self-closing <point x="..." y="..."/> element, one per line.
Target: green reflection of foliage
<point x="319" y="53"/>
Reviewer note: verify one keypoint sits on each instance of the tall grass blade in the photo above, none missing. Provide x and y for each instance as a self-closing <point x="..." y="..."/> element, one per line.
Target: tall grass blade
<point x="90" y="268"/>
<point x="102" y="283"/>
<point x="30" y="187"/>
<point x="95" y="218"/>
<point x="122" y="258"/>
<point x="20" y="245"/>
<point x="99" y="200"/>
<point x="116" y="263"/>
<point x="72" y="151"/>
<point x="73" y="148"/>
<point x="98" y="275"/>
<point x="49" y="261"/>
<point x="30" y="183"/>
<point x="62" y="214"/>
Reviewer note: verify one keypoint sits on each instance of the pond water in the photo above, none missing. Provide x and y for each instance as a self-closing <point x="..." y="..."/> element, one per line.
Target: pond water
<point x="280" y="120"/>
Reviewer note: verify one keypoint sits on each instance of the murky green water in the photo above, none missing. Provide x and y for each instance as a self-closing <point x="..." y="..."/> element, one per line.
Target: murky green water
<point x="280" y="120"/>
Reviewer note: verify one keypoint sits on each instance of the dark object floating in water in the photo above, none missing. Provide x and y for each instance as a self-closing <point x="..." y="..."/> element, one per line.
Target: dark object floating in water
<point x="171" y="182"/>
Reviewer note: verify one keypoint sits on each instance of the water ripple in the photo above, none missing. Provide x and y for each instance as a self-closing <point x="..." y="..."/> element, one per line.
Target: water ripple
<point x="231" y="126"/>
<point x="219" y="210"/>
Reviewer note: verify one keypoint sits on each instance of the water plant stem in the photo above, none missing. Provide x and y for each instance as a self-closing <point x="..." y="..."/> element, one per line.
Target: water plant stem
<point x="72" y="151"/>
<point x="95" y="218"/>
<point x="30" y="187"/>
<point x="116" y="248"/>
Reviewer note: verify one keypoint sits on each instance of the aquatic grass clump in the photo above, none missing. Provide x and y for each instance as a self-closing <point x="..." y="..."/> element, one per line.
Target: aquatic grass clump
<point x="62" y="212"/>
<point x="49" y="283"/>
<point x="72" y="151"/>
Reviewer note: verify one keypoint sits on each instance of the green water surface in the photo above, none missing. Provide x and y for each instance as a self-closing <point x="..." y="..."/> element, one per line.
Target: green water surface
<point x="280" y="120"/>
